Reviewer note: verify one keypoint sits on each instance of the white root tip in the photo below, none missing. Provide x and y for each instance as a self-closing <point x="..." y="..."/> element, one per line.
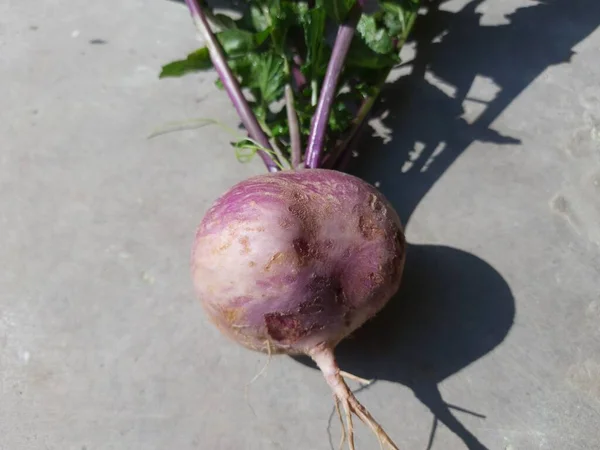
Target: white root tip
<point x="325" y="360"/>
<point x="259" y="374"/>
<point x="360" y="380"/>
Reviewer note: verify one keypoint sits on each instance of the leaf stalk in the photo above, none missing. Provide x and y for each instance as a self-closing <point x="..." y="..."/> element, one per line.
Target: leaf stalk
<point x="231" y="83"/>
<point x="316" y="139"/>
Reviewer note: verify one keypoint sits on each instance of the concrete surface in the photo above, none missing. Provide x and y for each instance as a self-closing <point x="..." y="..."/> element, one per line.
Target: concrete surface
<point x="493" y="160"/>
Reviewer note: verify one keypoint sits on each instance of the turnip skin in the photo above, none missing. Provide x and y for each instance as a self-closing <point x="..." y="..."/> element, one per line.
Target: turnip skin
<point x="294" y="261"/>
<point x="290" y="261"/>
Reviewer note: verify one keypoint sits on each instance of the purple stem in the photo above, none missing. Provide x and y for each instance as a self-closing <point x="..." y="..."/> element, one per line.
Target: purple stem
<point x="316" y="139"/>
<point x="231" y="84"/>
<point x="299" y="78"/>
<point x="297" y="75"/>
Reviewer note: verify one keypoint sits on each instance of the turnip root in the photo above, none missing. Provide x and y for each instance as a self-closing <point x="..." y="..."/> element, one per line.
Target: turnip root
<point x="293" y="262"/>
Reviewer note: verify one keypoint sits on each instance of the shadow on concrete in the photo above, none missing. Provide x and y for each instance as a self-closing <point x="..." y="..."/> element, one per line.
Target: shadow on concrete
<point x="451" y="310"/>
<point x="453" y="307"/>
<point x="455" y="48"/>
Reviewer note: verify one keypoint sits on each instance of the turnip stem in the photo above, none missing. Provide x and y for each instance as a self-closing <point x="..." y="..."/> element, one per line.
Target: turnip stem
<point x="297" y="75"/>
<point x="324" y="358"/>
<point x="337" y="154"/>
<point x="231" y="83"/>
<point x="294" y="127"/>
<point x="316" y="139"/>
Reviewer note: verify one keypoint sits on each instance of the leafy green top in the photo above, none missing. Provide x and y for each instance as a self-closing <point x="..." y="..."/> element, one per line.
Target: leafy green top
<point x="275" y="43"/>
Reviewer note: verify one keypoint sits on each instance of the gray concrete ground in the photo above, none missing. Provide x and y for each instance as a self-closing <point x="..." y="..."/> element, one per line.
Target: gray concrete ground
<point x="493" y="161"/>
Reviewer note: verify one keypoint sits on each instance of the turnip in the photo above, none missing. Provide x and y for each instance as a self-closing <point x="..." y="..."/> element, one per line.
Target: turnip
<point x="293" y="261"/>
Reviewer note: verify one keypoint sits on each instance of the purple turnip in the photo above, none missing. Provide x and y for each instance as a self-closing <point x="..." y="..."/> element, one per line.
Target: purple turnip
<point x="293" y="261"/>
<point x="297" y="259"/>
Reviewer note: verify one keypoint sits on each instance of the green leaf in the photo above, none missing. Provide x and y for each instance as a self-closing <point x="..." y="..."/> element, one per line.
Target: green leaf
<point x="269" y="77"/>
<point x="283" y="16"/>
<point x="237" y="45"/>
<point x="278" y="36"/>
<point x="281" y="130"/>
<point x="261" y="36"/>
<point x="313" y="23"/>
<point x="397" y="17"/>
<point x="272" y="6"/>
<point x="236" y="42"/>
<point x="394" y="18"/>
<point x="336" y="9"/>
<point x="242" y="67"/>
<point x="225" y="21"/>
<point x="263" y="74"/>
<point x="259" y="48"/>
<point x="255" y="19"/>
<point x="196" y="61"/>
<point x="362" y="56"/>
<point x="378" y="39"/>
<point x="340" y="117"/>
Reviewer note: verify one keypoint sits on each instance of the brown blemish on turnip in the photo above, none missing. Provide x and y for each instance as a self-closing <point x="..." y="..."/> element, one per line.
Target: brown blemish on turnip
<point x="303" y="210"/>
<point x="230" y="315"/>
<point x="298" y="211"/>
<point x="288" y="327"/>
<point x="307" y="251"/>
<point x="327" y="297"/>
<point x="284" y="327"/>
<point x="340" y="296"/>
<point x="328" y="291"/>
<point x="222" y="248"/>
<point x="285" y="223"/>
<point x="276" y="258"/>
<point x="375" y="278"/>
<point x="253" y="229"/>
<point x="368" y="227"/>
<point x="303" y="251"/>
<point x="245" y="243"/>
<point x="299" y="196"/>
<point x="374" y="203"/>
<point x="309" y="307"/>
